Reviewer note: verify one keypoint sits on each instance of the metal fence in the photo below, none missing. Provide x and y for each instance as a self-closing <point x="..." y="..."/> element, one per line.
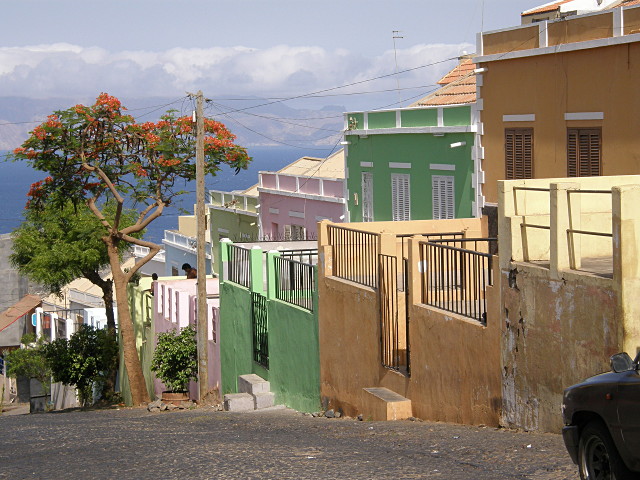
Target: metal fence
<point x="239" y="266"/>
<point x="295" y="282"/>
<point x="304" y="255"/>
<point x="394" y="326"/>
<point x="260" y="329"/>
<point x="456" y="274"/>
<point x="355" y="255"/>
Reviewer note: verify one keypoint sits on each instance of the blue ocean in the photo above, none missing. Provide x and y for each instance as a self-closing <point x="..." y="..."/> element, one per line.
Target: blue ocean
<point x="16" y="179"/>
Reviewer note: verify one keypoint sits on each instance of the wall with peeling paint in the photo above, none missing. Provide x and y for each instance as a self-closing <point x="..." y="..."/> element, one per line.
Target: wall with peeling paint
<point x="554" y="334"/>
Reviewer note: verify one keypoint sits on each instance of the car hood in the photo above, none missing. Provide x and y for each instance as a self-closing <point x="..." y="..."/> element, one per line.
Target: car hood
<point x="603" y="378"/>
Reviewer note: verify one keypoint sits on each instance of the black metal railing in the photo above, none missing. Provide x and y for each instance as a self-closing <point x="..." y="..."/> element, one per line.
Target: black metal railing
<point x="260" y="329"/>
<point x="455" y="278"/>
<point x="303" y="255"/>
<point x="239" y="266"/>
<point x="394" y="332"/>
<point x="295" y="282"/>
<point x="355" y="255"/>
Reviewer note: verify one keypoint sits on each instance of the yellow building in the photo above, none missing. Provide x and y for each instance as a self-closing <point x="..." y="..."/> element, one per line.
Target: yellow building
<point x="559" y="98"/>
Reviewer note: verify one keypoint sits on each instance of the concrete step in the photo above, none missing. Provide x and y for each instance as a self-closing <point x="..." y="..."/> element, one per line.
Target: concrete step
<point x="253" y="384"/>
<point x="239" y="402"/>
<point x="383" y="404"/>
<point x="264" y="400"/>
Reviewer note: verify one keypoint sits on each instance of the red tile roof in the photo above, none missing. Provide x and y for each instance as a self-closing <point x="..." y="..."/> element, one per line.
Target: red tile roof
<point x="458" y="87"/>
<point x="556" y="5"/>
<point x="545" y="8"/>
<point x="25" y="305"/>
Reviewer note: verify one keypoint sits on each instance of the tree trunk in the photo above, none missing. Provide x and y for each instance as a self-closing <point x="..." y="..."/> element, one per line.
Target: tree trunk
<point x="106" y="286"/>
<point x="139" y="393"/>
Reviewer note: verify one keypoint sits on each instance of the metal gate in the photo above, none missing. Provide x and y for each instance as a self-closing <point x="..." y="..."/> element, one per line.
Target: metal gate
<point x="394" y="319"/>
<point x="260" y="329"/>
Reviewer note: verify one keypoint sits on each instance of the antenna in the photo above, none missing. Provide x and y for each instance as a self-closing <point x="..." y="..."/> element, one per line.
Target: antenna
<point x="395" y="55"/>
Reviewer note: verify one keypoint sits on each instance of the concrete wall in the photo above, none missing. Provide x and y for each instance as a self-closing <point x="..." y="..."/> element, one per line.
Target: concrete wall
<point x="562" y="319"/>
<point x="13" y="286"/>
<point x="455" y="361"/>
<point x="554" y="334"/>
<point x="589" y="80"/>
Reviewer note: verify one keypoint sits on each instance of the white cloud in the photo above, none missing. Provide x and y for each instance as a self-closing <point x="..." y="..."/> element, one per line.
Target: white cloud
<point x="65" y="70"/>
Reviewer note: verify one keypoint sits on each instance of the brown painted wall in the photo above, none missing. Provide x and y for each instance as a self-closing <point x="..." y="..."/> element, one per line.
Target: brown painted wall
<point x="600" y="79"/>
<point x="455" y="362"/>
<point x="555" y="333"/>
<point x="581" y="28"/>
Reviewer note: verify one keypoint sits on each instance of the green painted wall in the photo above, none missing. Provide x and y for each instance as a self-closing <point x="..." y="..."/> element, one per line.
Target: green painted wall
<point x="420" y="150"/>
<point x="456" y="116"/>
<point x="382" y="119"/>
<point x="236" y="342"/>
<point x="423" y="117"/>
<point x="237" y="224"/>
<point x="355" y="121"/>
<point x="141" y="306"/>
<point x="294" y="358"/>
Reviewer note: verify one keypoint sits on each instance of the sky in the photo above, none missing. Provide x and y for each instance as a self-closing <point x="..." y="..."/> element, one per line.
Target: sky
<point x="239" y="48"/>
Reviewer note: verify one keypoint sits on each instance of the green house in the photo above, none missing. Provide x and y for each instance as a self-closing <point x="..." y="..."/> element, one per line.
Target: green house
<point x="420" y="162"/>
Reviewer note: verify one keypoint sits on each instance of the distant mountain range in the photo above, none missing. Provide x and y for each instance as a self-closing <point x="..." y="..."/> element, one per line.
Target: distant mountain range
<point x="255" y="121"/>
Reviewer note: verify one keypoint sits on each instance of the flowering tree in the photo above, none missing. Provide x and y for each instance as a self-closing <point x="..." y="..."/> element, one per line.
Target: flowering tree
<point x="97" y="154"/>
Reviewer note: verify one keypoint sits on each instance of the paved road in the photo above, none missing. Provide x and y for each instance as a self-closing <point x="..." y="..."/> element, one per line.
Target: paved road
<point x="279" y="444"/>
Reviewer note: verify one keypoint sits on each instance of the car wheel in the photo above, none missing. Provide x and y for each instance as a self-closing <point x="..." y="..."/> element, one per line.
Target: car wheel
<point x="598" y="458"/>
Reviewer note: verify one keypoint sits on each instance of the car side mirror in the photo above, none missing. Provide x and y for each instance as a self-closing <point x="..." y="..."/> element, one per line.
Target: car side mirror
<point x="621" y="362"/>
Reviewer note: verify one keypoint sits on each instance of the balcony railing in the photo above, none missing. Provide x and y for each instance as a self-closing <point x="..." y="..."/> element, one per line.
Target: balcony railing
<point x="236" y="201"/>
<point x="326" y="187"/>
<point x="185" y="241"/>
<point x="140" y="251"/>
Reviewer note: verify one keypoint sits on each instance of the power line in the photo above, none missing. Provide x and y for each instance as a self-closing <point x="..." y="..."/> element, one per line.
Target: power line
<point x="360" y="82"/>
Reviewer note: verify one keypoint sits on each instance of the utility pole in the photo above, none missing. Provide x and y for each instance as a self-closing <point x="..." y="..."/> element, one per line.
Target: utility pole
<point x="395" y="56"/>
<point x="201" y="226"/>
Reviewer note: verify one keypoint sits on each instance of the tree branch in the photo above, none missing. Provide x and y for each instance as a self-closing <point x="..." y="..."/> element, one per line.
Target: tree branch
<point x="153" y="250"/>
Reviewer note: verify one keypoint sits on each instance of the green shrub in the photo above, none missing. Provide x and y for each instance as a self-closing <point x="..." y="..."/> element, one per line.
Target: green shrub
<point x="175" y="358"/>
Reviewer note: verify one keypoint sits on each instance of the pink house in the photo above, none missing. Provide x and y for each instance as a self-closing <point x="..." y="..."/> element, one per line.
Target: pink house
<point x="176" y="306"/>
<point x="294" y="199"/>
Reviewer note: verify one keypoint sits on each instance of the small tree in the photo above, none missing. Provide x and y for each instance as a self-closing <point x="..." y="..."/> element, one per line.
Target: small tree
<point x="98" y="152"/>
<point x="83" y="360"/>
<point x="175" y="358"/>
<point x="58" y="244"/>
<point x="29" y="361"/>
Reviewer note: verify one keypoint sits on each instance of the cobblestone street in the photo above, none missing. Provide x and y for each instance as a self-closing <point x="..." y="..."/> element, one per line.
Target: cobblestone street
<point x="278" y="444"/>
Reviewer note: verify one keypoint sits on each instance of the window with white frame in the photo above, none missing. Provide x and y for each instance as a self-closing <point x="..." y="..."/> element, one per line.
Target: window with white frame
<point x="400" y="197"/>
<point x="443" y="196"/>
<point x="367" y="197"/>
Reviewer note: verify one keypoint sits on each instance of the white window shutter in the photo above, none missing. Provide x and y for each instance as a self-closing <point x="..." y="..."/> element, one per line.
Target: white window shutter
<point x="367" y="197"/>
<point x="400" y="197"/>
<point x="443" y="196"/>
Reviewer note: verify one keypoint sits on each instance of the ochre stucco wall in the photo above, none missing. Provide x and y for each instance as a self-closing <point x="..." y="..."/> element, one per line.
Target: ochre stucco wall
<point x="554" y="334"/>
<point x="455" y="362"/>
<point x="595" y="80"/>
